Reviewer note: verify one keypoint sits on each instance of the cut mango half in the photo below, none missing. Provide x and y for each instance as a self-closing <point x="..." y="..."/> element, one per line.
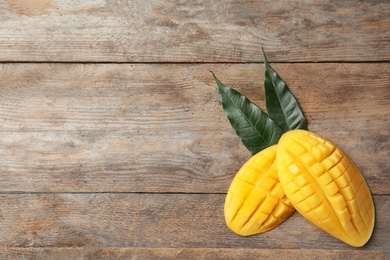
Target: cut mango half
<point x="325" y="186"/>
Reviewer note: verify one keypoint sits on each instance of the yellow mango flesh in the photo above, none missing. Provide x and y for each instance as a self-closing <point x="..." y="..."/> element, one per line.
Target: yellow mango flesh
<point x="255" y="201"/>
<point x="325" y="186"/>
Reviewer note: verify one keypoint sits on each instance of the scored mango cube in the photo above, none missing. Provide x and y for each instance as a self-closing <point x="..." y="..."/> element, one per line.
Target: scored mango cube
<point x="262" y="204"/>
<point x="342" y="204"/>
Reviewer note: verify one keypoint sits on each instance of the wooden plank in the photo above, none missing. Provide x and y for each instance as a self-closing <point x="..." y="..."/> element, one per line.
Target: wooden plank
<point x="160" y="127"/>
<point x="194" y="31"/>
<point x="156" y="221"/>
<point x="184" y="253"/>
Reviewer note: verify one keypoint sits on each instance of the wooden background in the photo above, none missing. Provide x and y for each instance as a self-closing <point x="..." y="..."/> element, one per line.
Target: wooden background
<point x="113" y="143"/>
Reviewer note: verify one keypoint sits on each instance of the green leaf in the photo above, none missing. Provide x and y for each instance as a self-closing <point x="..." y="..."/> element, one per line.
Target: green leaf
<point x="281" y="104"/>
<point x="256" y="130"/>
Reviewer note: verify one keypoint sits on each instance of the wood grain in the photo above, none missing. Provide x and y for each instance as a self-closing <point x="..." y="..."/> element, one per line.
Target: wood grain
<point x="185" y="253"/>
<point x="156" y="221"/>
<point x="160" y="127"/>
<point x="113" y="144"/>
<point x="194" y="31"/>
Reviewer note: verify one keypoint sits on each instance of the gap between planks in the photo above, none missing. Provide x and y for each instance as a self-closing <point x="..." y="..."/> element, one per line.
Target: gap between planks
<point x="198" y="63"/>
<point x="112" y="192"/>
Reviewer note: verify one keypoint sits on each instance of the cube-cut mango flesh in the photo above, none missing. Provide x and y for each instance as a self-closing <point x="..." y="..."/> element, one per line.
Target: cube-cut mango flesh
<point x="256" y="202"/>
<point x="325" y="186"/>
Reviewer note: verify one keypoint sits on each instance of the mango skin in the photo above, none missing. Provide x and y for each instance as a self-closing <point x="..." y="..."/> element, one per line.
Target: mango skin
<point x="325" y="186"/>
<point x="255" y="201"/>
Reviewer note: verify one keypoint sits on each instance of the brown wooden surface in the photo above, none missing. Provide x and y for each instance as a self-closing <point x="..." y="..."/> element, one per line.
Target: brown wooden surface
<point x="194" y="31"/>
<point x="157" y="221"/>
<point x="113" y="144"/>
<point x="160" y="127"/>
<point x="186" y="253"/>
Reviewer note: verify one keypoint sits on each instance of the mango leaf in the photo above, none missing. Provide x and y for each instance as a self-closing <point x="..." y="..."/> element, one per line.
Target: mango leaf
<point x="281" y="104"/>
<point x="255" y="129"/>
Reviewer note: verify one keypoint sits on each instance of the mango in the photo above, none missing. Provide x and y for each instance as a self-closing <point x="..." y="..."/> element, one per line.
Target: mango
<point x="255" y="201"/>
<point x="325" y="186"/>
